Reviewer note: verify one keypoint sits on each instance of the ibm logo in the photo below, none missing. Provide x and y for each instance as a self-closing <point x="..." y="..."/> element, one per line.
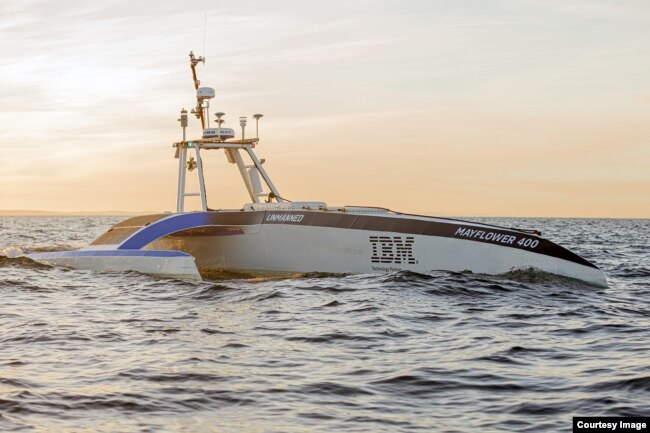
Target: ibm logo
<point x="396" y="249"/>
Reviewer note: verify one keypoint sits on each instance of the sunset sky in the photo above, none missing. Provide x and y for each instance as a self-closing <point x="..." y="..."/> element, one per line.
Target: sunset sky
<point x="509" y="108"/>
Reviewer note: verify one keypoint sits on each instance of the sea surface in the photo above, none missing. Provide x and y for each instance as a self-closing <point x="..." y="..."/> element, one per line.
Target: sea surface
<point x="82" y="351"/>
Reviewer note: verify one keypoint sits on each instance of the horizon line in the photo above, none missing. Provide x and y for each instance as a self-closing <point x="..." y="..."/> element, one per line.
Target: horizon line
<point x="37" y="212"/>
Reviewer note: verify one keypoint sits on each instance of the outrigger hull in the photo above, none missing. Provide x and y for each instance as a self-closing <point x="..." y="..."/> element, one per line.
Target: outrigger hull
<point x="172" y="264"/>
<point x="283" y="240"/>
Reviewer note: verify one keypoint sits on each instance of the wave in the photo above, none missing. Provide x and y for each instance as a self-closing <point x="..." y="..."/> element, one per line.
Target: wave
<point x="536" y="276"/>
<point x="624" y="270"/>
<point x="21" y="262"/>
<point x="423" y="384"/>
<point x="332" y="388"/>
<point x="641" y="384"/>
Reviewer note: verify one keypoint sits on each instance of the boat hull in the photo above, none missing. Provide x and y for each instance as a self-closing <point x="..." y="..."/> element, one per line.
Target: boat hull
<point x="301" y="242"/>
<point x="294" y="240"/>
<point x="290" y="250"/>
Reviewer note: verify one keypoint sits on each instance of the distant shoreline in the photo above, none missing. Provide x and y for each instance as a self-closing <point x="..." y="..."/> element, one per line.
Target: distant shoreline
<point x="23" y="212"/>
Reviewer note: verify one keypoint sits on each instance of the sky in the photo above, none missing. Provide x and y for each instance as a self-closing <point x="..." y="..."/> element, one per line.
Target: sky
<point x="464" y="107"/>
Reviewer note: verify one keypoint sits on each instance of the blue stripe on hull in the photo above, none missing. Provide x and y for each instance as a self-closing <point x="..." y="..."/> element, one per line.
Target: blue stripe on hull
<point x="164" y="227"/>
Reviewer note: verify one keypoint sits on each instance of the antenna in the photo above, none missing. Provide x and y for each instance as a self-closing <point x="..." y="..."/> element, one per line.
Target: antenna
<point x="242" y="122"/>
<point x="219" y="116"/>
<point x="205" y="26"/>
<point x="257" y="124"/>
<point x="183" y="120"/>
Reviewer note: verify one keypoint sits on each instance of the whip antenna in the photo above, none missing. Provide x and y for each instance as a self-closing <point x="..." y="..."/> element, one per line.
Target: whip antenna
<point x="205" y="25"/>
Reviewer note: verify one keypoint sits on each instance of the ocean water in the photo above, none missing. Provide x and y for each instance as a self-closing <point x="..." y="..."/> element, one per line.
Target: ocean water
<point x="401" y="352"/>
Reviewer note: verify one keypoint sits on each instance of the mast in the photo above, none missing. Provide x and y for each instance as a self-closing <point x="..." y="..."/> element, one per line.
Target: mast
<point x="181" y="154"/>
<point x="201" y="113"/>
<point x="198" y="111"/>
<point x="215" y="138"/>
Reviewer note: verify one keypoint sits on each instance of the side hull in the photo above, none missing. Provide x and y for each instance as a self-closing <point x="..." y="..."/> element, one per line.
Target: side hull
<point x="175" y="264"/>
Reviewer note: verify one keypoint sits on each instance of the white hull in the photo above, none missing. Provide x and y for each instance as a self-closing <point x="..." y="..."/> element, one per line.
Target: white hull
<point x="178" y="266"/>
<point x="284" y="240"/>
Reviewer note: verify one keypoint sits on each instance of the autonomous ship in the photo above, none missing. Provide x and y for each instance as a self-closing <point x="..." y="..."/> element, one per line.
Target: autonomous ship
<point x="273" y="236"/>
